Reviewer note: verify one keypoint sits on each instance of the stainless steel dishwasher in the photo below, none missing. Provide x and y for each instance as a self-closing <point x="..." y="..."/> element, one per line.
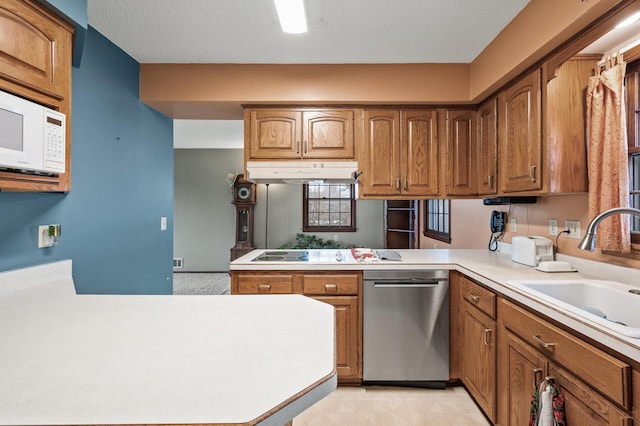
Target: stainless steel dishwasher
<point x="406" y="327"/>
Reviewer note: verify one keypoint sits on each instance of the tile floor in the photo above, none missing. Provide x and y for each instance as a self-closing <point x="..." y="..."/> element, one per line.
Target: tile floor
<point x="387" y="406"/>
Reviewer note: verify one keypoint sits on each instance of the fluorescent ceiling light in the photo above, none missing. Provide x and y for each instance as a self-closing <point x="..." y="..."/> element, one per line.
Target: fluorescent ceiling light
<point x="291" y="15"/>
<point x="630" y="20"/>
<point x="630" y="46"/>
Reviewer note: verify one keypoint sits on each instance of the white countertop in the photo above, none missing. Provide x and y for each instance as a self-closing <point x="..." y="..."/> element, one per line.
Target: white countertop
<point x="494" y="269"/>
<point x="102" y="359"/>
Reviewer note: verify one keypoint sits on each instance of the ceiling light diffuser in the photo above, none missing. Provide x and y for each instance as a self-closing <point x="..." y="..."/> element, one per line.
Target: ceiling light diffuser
<point x="292" y="16"/>
<point x="630" y="20"/>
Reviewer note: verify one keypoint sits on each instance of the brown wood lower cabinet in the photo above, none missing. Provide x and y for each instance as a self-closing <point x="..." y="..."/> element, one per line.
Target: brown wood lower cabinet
<point x="339" y="289"/>
<point x="596" y="386"/>
<point x="501" y="351"/>
<point x="478" y="358"/>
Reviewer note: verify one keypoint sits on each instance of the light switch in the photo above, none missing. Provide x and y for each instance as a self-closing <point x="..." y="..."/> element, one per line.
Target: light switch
<point x="163" y="223"/>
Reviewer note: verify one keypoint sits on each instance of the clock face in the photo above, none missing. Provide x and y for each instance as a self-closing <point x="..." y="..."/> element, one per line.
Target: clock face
<point x="243" y="193"/>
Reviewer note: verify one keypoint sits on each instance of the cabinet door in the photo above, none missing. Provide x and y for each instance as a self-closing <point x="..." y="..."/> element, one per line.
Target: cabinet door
<point x="419" y="167"/>
<point x="565" y="116"/>
<point x="520" y="135"/>
<point x="275" y="134"/>
<point x="461" y="162"/>
<point x="479" y="359"/>
<point x="584" y="406"/>
<point x="488" y="148"/>
<point x="381" y="156"/>
<point x="348" y="337"/>
<point x="328" y="134"/>
<point x="521" y="369"/>
<point x="35" y="49"/>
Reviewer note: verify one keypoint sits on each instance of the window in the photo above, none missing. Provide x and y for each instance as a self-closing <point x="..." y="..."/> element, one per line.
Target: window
<point x="437" y="220"/>
<point x="632" y="83"/>
<point x="328" y="207"/>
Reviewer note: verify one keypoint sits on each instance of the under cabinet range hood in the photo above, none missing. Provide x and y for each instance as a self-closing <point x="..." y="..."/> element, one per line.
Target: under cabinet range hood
<point x="302" y="171"/>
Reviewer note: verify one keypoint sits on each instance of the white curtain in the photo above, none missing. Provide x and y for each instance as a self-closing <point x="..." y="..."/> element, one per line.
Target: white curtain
<point x="607" y="154"/>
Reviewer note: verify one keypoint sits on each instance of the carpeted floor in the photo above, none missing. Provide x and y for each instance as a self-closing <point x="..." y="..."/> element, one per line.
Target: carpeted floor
<point x="195" y="283"/>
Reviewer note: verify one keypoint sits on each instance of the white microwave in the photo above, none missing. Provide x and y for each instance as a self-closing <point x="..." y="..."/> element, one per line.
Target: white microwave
<point x="32" y="137"/>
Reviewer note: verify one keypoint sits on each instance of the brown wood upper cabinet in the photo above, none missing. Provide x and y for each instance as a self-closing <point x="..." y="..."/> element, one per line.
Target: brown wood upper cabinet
<point x="399" y="158"/>
<point x="300" y="134"/>
<point x="542" y="130"/>
<point x="35" y="63"/>
<point x="35" y="48"/>
<point x="520" y="135"/>
<point x="461" y="177"/>
<point x="488" y="147"/>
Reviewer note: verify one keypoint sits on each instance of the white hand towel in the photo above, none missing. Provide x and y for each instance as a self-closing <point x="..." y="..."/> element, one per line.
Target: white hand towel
<point x="546" y="406"/>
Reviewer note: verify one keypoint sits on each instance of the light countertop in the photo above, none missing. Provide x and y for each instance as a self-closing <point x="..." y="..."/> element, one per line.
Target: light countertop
<point x="108" y="359"/>
<point x="493" y="269"/>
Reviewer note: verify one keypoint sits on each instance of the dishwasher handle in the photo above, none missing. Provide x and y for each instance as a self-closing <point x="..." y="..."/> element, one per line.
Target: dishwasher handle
<point x="415" y="283"/>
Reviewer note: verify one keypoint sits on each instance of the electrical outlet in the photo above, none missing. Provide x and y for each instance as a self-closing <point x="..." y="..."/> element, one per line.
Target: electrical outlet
<point x="553" y="227"/>
<point x="574" y="228"/>
<point x="335" y="237"/>
<point x="513" y="224"/>
<point x="163" y="223"/>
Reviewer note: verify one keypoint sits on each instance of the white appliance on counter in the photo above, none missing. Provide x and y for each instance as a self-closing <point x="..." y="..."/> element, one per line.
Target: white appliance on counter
<point x="301" y="171"/>
<point x="32" y="137"/>
<point x="531" y="250"/>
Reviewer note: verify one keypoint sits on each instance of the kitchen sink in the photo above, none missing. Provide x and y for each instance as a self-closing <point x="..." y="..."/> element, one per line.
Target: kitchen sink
<point x="610" y="304"/>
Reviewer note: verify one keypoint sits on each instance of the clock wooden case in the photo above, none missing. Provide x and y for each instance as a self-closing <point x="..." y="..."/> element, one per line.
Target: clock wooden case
<point x="244" y="198"/>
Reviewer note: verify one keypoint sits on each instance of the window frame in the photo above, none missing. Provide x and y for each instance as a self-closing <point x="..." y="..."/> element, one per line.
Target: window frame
<point x="305" y="212"/>
<point x="632" y="85"/>
<point x="437" y="233"/>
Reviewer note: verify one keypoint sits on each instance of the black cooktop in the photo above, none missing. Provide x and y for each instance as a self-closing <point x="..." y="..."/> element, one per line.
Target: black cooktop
<point x="283" y="256"/>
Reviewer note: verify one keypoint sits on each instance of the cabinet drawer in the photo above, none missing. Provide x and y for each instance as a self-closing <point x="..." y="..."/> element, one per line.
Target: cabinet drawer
<point x="478" y="296"/>
<point x="265" y="284"/>
<point x="608" y="375"/>
<point x="330" y="284"/>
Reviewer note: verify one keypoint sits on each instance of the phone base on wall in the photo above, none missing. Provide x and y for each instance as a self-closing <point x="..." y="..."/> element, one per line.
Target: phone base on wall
<point x="498" y="201"/>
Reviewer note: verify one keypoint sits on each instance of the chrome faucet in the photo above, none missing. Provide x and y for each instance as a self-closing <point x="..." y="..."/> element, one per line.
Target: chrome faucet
<point x="589" y="240"/>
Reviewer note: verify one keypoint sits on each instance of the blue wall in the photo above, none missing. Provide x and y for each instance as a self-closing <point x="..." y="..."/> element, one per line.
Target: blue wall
<point x="122" y="184"/>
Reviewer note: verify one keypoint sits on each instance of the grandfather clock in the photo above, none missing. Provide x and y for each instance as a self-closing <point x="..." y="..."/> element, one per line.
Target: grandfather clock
<point x="244" y="198"/>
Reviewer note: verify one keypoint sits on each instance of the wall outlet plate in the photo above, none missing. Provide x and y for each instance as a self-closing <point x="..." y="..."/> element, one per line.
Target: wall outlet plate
<point x="44" y="240"/>
<point x="513" y="224"/>
<point x="553" y="227"/>
<point x="574" y="228"/>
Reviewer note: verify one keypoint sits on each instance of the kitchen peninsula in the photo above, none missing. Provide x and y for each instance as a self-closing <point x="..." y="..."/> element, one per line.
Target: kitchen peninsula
<point x="122" y="359"/>
<point x="501" y="337"/>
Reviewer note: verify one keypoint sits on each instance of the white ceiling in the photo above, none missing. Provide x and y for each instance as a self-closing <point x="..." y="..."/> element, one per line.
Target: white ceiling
<point x="340" y="31"/>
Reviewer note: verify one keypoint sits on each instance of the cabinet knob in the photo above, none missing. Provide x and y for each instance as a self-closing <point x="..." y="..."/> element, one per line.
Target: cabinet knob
<point x="532" y="173"/>
<point x="490" y="179"/>
<point x="398" y="184"/>
<point x="406" y="184"/>
<point x="474" y="298"/>
<point x="297" y="147"/>
<point x="306" y="146"/>
<point x="331" y="288"/>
